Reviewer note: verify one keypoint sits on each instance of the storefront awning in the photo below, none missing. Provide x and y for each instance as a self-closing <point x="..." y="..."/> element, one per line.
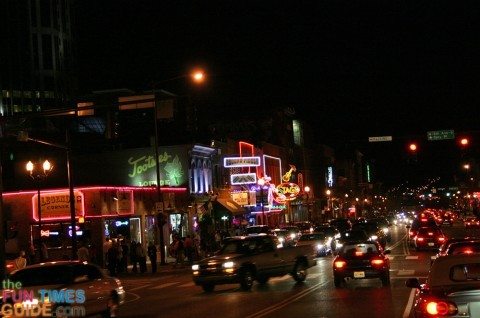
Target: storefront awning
<point x="231" y="206"/>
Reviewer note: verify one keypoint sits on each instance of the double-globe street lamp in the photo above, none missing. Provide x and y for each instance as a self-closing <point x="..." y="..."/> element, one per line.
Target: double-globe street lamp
<point x="198" y="77"/>
<point x="39" y="172"/>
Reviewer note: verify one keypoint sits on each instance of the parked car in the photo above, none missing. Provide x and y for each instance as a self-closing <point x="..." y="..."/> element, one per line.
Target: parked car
<point x="360" y="261"/>
<point x="248" y="258"/>
<point x="452" y="288"/>
<point x="319" y="242"/>
<point x="102" y="293"/>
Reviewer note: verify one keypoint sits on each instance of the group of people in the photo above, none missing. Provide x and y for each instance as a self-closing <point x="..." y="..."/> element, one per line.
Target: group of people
<point x="118" y="254"/>
<point x="182" y="249"/>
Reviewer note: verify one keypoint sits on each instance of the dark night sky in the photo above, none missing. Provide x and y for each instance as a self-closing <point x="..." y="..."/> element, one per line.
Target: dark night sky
<point x="354" y="68"/>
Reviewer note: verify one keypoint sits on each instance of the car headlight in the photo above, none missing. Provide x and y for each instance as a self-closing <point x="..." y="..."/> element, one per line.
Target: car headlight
<point x="385" y="230"/>
<point x="319" y="246"/>
<point x="339" y="245"/>
<point x="195" y="267"/>
<point x="281" y="239"/>
<point x="228" y="265"/>
<point x="373" y="237"/>
<point x="293" y="235"/>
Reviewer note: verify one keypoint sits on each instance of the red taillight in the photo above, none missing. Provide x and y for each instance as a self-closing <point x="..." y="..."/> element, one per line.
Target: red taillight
<point x="9" y="265"/>
<point x="420" y="239"/>
<point x="440" y="308"/>
<point x="430" y="233"/>
<point x="339" y="264"/>
<point x="377" y="262"/>
<point x="357" y="253"/>
<point x="441" y="239"/>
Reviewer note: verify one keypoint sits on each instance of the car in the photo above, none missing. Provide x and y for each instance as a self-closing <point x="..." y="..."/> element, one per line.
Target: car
<point x="361" y="260"/>
<point x="332" y="233"/>
<point x="351" y="236"/>
<point x="452" y="288"/>
<point x="284" y="237"/>
<point x="102" y="293"/>
<point x="244" y="259"/>
<point x="447" y="220"/>
<point x="293" y="232"/>
<point x="384" y="225"/>
<point x="463" y="247"/>
<point x="319" y="241"/>
<point x="471" y="222"/>
<point x="422" y="221"/>
<point x="304" y="226"/>
<point x="373" y="231"/>
<point x="429" y="238"/>
<point x="257" y="229"/>
<point x="341" y="224"/>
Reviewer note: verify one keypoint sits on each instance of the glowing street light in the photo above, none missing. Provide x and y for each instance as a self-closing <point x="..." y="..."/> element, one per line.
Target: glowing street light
<point x="198" y="76"/>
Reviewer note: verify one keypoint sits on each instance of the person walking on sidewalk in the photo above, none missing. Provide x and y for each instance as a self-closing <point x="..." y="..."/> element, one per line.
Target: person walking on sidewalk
<point x="152" y="255"/>
<point x="142" y="257"/>
<point x="180" y="251"/>
<point x="188" y="245"/>
<point x="133" y="256"/>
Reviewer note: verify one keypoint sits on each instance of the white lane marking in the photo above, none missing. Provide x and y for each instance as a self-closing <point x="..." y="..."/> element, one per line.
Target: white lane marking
<point x="139" y="287"/>
<point x="408" y="308"/>
<point x="130" y="300"/>
<point x="407" y="277"/>
<point x="405" y="272"/>
<point x="287" y="301"/>
<point x="191" y="284"/>
<point x="277" y="279"/>
<point x="411" y="257"/>
<point x="164" y="285"/>
<point x="316" y="275"/>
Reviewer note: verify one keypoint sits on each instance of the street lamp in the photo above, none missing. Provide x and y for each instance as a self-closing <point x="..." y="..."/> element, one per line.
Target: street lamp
<point x="307" y="192"/>
<point x="261" y="183"/>
<point x="38" y="175"/>
<point x="197" y="76"/>
<point x="328" y="193"/>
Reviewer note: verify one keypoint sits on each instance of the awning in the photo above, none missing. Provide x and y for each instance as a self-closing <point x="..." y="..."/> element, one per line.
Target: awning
<point x="231" y="206"/>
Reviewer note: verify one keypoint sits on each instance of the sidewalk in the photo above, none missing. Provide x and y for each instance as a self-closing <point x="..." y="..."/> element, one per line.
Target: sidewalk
<point x="168" y="268"/>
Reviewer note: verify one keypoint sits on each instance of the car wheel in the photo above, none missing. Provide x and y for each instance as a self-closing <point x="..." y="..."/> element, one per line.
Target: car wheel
<point x="385" y="279"/>
<point x="246" y="279"/>
<point x="300" y="272"/>
<point x="263" y="279"/>
<point x="337" y="281"/>
<point x="208" y="288"/>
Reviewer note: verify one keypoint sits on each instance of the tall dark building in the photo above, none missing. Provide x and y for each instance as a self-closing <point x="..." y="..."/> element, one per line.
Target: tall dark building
<point x="36" y="58"/>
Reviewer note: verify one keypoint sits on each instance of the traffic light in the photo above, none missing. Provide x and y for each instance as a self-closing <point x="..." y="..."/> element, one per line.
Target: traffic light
<point x="412" y="147"/>
<point x="464" y="142"/>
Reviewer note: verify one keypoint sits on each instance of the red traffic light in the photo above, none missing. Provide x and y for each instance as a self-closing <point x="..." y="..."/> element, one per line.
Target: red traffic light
<point x="464" y="141"/>
<point x="412" y="147"/>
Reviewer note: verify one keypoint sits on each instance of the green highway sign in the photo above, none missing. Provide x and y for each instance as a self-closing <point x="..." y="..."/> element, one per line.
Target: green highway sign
<point x="440" y="134"/>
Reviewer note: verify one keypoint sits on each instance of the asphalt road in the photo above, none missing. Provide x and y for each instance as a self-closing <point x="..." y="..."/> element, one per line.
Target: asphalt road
<point x="175" y="295"/>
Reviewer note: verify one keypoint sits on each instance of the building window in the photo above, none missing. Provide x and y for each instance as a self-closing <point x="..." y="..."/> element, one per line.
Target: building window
<point x="297" y="133"/>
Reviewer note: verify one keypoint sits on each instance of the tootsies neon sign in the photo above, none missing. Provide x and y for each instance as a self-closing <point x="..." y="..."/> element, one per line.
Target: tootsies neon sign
<point x="286" y="191"/>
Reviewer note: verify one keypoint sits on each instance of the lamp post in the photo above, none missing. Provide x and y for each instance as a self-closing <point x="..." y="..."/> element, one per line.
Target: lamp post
<point x="307" y="192"/>
<point x="328" y="193"/>
<point x="261" y="183"/>
<point x="38" y="175"/>
<point x="197" y="76"/>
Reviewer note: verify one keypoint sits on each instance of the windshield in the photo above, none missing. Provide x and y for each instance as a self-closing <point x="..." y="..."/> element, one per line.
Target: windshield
<point x="239" y="247"/>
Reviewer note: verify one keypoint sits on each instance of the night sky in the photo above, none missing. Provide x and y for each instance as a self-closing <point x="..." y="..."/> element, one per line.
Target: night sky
<point x="353" y="68"/>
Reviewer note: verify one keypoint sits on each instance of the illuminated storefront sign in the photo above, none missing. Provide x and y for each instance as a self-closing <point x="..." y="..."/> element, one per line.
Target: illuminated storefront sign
<point x="286" y="192"/>
<point x="56" y="205"/>
<point x="330" y="177"/>
<point x="239" y="162"/>
<point x="243" y="178"/>
<point x="241" y="197"/>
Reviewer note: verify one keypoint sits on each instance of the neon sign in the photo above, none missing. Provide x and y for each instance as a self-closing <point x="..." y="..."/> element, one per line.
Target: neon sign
<point x="56" y="205"/>
<point x="243" y="178"/>
<point x="240" y="162"/>
<point x="286" y="191"/>
<point x="120" y="223"/>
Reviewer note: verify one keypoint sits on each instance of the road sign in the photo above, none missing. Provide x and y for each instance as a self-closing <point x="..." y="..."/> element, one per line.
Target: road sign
<point x="380" y="138"/>
<point x="440" y="134"/>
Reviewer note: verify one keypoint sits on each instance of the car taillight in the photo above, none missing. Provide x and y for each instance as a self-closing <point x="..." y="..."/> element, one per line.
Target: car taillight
<point x="441" y="239"/>
<point x="420" y="239"/>
<point x="339" y="264"/>
<point x="440" y="308"/>
<point x="430" y="233"/>
<point x="9" y="265"/>
<point x="377" y="262"/>
<point x="357" y="253"/>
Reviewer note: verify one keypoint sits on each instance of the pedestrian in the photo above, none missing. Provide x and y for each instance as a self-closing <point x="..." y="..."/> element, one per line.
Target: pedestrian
<point x="20" y="262"/>
<point x="188" y="245"/>
<point x="152" y="255"/>
<point x="106" y="246"/>
<point x="142" y="257"/>
<point x="44" y="252"/>
<point x="124" y="259"/>
<point x="180" y="251"/>
<point x="112" y="259"/>
<point x="83" y="254"/>
<point x="133" y="256"/>
<point x="31" y="254"/>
